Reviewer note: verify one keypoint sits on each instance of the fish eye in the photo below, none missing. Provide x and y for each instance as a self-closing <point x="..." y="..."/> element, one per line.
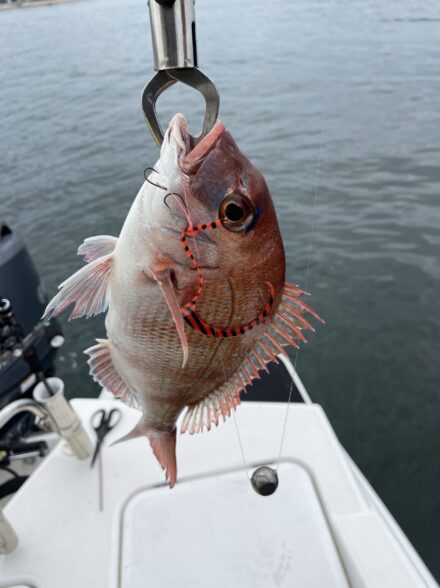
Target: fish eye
<point x="237" y="212"/>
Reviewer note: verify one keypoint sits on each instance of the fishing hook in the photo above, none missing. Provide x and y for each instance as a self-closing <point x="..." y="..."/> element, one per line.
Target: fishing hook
<point x="183" y="204"/>
<point x="149" y="181"/>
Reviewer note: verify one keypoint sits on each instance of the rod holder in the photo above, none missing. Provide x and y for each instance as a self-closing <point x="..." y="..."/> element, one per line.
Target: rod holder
<point x="67" y="422"/>
<point x="8" y="537"/>
<point x="173" y="29"/>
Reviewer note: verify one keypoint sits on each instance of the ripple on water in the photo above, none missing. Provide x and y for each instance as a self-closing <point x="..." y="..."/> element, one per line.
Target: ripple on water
<point x="337" y="103"/>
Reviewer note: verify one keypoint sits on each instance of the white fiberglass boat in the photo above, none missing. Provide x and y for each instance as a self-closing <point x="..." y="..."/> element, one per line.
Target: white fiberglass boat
<point x="323" y="526"/>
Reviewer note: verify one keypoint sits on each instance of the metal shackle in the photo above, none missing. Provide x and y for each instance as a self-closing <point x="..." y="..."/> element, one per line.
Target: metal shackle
<point x="173" y="31"/>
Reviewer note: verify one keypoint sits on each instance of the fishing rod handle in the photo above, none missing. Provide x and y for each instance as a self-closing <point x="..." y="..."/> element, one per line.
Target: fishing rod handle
<point x="173" y="29"/>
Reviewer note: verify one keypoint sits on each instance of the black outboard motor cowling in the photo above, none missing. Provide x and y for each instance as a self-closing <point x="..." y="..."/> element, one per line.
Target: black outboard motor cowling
<point x="20" y="286"/>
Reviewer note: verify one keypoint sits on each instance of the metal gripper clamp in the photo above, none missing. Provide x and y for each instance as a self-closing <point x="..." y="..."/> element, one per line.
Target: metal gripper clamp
<point x="175" y="60"/>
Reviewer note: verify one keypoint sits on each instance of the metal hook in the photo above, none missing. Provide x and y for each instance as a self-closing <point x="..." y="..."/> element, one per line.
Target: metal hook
<point x="177" y="196"/>
<point x="192" y="77"/>
<point x="149" y="181"/>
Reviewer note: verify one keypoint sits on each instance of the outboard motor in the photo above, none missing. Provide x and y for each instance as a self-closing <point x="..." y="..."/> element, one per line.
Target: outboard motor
<point x="28" y="346"/>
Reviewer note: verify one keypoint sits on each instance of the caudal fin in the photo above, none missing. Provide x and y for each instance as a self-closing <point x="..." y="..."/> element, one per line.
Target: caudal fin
<point x="163" y="445"/>
<point x="164" y="448"/>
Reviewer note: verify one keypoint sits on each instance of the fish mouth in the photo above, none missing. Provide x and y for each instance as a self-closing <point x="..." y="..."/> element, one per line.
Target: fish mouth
<point x="190" y="159"/>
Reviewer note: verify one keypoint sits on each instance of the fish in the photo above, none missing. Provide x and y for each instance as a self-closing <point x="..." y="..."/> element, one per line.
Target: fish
<point x="194" y="290"/>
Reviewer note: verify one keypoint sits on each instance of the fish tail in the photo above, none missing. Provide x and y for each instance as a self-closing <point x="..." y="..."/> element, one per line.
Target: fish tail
<point x="163" y="444"/>
<point x="164" y="448"/>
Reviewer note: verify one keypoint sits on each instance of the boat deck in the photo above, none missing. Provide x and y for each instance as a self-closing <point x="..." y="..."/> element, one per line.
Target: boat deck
<point x="318" y="529"/>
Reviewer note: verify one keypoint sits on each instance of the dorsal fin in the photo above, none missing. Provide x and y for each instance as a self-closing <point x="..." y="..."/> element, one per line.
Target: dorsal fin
<point x="87" y="288"/>
<point x="283" y="328"/>
<point x="95" y="247"/>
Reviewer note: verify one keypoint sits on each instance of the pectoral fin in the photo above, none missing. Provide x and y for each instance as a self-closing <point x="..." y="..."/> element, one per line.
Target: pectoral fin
<point x="163" y="278"/>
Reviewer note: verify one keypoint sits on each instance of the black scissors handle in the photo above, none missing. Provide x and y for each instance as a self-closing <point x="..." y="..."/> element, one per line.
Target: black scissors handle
<point x="104" y="422"/>
<point x="113" y="418"/>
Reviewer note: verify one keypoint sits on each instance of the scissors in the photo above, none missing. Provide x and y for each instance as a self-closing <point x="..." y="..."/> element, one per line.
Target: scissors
<point x="103" y="422"/>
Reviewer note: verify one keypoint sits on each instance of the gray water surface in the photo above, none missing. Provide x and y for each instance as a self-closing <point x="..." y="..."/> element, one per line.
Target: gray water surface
<point x="338" y="103"/>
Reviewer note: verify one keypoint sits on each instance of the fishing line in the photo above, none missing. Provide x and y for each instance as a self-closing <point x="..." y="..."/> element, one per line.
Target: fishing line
<point x="219" y="351"/>
<point x="183" y="204"/>
<point x="237" y="432"/>
<point x="306" y="279"/>
<point x="313" y="221"/>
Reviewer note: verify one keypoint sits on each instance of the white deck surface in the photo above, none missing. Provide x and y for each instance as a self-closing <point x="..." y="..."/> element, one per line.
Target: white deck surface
<point x="217" y="532"/>
<point x="65" y="542"/>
